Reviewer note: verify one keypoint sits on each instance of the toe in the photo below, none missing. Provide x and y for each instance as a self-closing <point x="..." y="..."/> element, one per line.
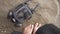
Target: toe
<point x="36" y="24"/>
<point x="39" y="25"/>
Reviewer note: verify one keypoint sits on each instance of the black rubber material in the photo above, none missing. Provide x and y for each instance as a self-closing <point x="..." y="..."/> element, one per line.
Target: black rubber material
<point x="48" y="29"/>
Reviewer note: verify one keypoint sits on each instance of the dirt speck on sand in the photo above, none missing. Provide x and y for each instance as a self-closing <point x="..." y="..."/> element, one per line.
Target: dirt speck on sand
<point x="45" y="14"/>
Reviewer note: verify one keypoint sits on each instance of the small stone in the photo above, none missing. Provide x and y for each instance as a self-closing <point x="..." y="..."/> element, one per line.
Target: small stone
<point x="1" y="31"/>
<point x="5" y="31"/>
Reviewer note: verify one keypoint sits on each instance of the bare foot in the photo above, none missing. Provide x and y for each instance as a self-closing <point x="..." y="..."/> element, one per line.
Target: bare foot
<point x="36" y="26"/>
<point x="28" y="29"/>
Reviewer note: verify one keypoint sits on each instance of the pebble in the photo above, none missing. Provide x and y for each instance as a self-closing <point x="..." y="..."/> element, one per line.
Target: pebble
<point x="4" y="31"/>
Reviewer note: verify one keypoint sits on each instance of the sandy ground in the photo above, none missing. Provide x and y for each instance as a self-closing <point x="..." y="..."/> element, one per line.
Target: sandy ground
<point x="46" y="14"/>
